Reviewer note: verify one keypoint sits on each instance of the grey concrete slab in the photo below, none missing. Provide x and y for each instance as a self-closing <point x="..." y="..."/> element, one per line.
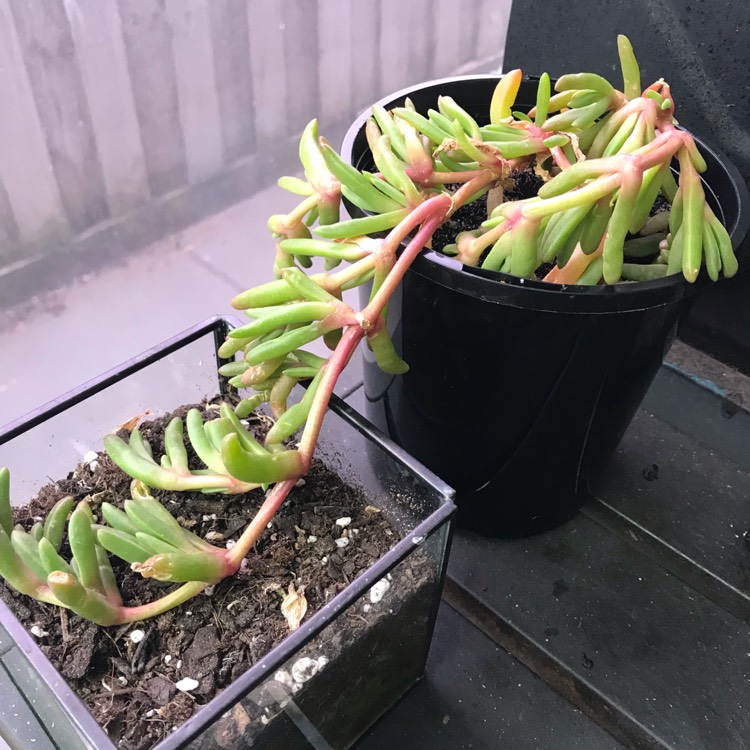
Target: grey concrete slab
<point x="99" y="322"/>
<point x="62" y="339"/>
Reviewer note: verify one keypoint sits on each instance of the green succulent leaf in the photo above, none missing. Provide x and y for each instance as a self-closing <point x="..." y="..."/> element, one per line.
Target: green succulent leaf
<point x="363" y="226"/>
<point x="357" y="188"/>
<point x="183" y="567"/>
<point x="54" y="524"/>
<point x="82" y="544"/>
<point x="454" y="113"/>
<point x="422" y="124"/>
<point x="295" y="185"/>
<point x="631" y="74"/>
<point x="27" y="549"/>
<point x="85" y="602"/>
<point x="51" y="559"/>
<point x="542" y="99"/>
<point x="123" y="545"/>
<point x="251" y="467"/>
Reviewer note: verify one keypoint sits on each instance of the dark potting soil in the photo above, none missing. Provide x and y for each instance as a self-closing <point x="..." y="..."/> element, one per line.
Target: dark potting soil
<point x="526" y="184"/>
<point x="129" y="684"/>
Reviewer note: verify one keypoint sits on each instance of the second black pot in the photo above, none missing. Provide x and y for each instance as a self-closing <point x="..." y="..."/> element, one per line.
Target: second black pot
<point x="517" y="389"/>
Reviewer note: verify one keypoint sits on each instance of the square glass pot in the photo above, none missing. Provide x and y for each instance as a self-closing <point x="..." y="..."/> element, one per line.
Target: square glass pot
<point x="327" y="682"/>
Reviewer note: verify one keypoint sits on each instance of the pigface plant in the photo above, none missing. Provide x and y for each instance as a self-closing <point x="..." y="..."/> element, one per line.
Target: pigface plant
<point x="602" y="159"/>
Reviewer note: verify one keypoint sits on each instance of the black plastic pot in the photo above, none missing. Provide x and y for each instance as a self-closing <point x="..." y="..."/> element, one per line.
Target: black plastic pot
<point x="340" y="702"/>
<point x="519" y="389"/>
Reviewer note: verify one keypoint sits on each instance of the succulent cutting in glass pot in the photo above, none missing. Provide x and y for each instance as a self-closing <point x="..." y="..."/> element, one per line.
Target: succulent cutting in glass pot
<point x="604" y="157"/>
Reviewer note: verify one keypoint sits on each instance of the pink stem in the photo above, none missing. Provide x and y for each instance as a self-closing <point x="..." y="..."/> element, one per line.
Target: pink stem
<point x="559" y="156"/>
<point x="447" y="178"/>
<point x="179" y="596"/>
<point x="665" y="145"/>
<point x="331" y="372"/>
<point x="431" y="215"/>
<point x="465" y="192"/>
<point x="255" y="528"/>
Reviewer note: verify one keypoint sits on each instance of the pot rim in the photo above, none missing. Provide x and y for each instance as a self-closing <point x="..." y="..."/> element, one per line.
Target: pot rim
<point x="503" y="288"/>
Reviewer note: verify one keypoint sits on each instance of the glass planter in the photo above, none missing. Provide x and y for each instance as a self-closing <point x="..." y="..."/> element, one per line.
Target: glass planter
<point x="327" y="682"/>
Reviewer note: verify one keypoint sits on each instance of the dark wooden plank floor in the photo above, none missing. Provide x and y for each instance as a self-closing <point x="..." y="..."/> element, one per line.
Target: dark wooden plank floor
<point x="636" y="611"/>
<point x="476" y="695"/>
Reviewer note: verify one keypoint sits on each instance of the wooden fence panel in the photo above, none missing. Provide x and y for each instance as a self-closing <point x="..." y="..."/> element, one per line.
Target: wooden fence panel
<point x="394" y="43"/>
<point x="148" y="43"/>
<point x="234" y="82"/>
<point x="126" y="116"/>
<point x="336" y="57"/>
<point x="300" y="22"/>
<point x="52" y="66"/>
<point x="25" y="166"/>
<point x="450" y="33"/>
<point x="365" y="66"/>
<point x="10" y="246"/>
<point x="422" y="49"/>
<point x="97" y="34"/>
<point x="196" y="87"/>
<point x="265" y="23"/>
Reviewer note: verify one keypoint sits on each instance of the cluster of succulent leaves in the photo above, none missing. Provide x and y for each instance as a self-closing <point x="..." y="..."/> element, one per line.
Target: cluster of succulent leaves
<point x="234" y="459"/>
<point x="144" y="534"/>
<point x="605" y="155"/>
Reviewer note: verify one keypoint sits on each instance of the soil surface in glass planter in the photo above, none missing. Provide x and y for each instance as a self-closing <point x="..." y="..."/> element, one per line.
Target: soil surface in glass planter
<point x="128" y="683"/>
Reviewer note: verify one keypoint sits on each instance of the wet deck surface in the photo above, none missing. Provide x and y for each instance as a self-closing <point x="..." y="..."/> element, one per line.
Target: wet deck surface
<point x="636" y="611"/>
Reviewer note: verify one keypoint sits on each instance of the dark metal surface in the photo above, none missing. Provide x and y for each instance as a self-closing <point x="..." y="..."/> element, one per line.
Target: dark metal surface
<point x="704" y="55"/>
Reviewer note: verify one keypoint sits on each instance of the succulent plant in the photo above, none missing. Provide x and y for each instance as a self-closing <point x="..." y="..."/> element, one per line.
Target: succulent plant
<point x="227" y="449"/>
<point x="144" y="534"/>
<point x="604" y="156"/>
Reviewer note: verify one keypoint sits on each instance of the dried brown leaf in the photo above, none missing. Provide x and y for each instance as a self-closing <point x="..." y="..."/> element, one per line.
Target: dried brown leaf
<point x="294" y="606"/>
<point x="132" y="423"/>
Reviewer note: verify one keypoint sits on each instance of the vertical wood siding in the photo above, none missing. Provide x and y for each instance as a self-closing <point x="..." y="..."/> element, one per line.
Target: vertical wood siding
<point x="47" y="46"/>
<point x="25" y="166"/>
<point x="234" y="87"/>
<point x="100" y="48"/>
<point x="148" y="36"/>
<point x="110" y="105"/>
